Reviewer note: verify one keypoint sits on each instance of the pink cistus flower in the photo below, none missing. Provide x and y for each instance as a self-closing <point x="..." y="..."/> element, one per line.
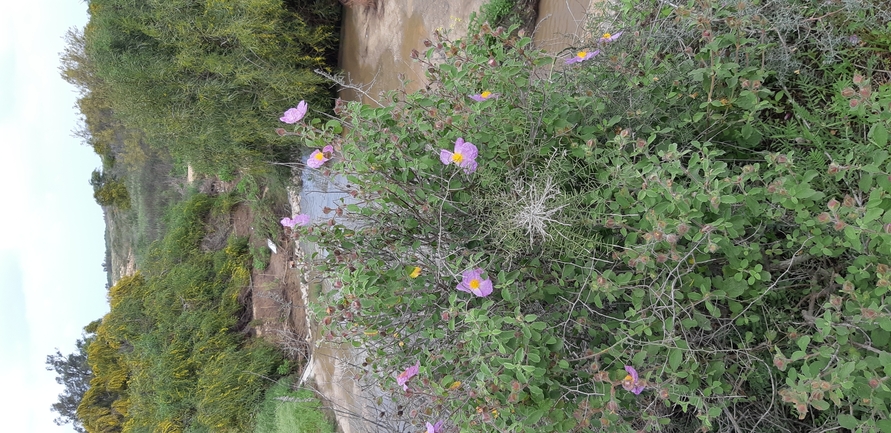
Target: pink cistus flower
<point x="434" y="428"/>
<point x="319" y="157"/>
<point x="298" y="220"/>
<point x="463" y="156"/>
<point x="480" y="97"/>
<point x="294" y="115"/>
<point x="632" y="381"/>
<point x="607" y="37"/>
<point x="410" y="372"/>
<point x="581" y="56"/>
<point x="472" y="282"/>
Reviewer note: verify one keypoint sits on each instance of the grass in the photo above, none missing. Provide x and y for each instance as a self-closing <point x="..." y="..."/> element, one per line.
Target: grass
<point x="284" y="410"/>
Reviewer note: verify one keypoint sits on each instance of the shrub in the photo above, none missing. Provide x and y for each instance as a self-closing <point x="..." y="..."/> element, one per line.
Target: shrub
<point x="701" y="198"/>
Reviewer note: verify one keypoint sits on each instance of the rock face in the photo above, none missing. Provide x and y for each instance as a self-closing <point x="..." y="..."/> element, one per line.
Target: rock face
<point x="376" y="42"/>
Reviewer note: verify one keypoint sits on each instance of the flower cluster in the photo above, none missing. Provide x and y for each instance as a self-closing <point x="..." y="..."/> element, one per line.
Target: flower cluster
<point x="464" y="156"/>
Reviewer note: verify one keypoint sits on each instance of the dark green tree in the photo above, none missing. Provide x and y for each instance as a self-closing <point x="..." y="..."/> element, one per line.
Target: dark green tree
<point x="74" y="373"/>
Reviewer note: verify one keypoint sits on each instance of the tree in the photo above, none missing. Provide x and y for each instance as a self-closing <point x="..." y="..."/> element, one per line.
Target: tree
<point x="74" y="373"/>
<point x="109" y="191"/>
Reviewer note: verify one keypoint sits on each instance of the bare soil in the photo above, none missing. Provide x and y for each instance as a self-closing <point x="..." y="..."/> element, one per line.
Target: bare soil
<point x="273" y="299"/>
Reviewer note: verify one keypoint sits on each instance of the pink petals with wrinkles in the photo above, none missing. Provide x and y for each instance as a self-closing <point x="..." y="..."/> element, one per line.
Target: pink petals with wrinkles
<point x="294" y="115"/>
<point x="581" y="56"/>
<point x="409" y="373"/>
<point x="632" y="381"/>
<point x="320" y="157"/>
<point x="298" y="220"/>
<point x="463" y="156"/>
<point x="473" y="282"/>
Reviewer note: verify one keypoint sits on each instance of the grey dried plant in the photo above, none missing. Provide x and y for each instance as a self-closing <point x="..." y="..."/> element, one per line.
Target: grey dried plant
<point x="536" y="204"/>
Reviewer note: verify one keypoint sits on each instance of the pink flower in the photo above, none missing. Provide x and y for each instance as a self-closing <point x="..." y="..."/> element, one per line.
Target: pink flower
<point x="631" y="381"/>
<point x="434" y="428"/>
<point x="298" y="220"/>
<point x="610" y="37"/>
<point x="480" y="97"/>
<point x="293" y="115"/>
<point x="581" y="56"/>
<point x="464" y="156"/>
<point x="473" y="282"/>
<point x="409" y="373"/>
<point x="319" y="157"/>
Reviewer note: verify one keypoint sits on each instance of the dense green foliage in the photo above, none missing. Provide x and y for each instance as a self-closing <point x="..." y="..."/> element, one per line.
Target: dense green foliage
<point x="200" y="79"/>
<point x="170" y="356"/>
<point x="708" y="200"/>
<point x="284" y="410"/>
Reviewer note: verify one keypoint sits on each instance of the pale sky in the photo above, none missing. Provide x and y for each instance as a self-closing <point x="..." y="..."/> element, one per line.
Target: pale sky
<point x="51" y="230"/>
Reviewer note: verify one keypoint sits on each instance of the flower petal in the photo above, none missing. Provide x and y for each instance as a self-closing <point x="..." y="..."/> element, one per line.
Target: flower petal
<point x="485" y="288"/>
<point x="467" y="149"/>
<point x="294" y="115"/>
<point x="445" y="156"/>
<point x="469" y="166"/>
<point x="301" y="220"/>
<point x="631" y="371"/>
<point x="328" y="149"/>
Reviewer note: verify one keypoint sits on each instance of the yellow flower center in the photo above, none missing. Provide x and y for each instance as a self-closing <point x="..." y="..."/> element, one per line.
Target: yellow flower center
<point x="475" y="284"/>
<point x="582" y="54"/>
<point x="457" y="158"/>
<point x="607" y="36"/>
<point x="486" y="94"/>
<point x="415" y="272"/>
<point x="628" y="378"/>
<point x="320" y="156"/>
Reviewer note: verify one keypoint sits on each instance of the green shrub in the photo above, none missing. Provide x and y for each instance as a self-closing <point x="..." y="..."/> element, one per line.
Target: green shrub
<point x="284" y="410"/>
<point x="706" y="200"/>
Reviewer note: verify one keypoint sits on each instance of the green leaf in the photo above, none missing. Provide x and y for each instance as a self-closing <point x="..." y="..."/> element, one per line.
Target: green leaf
<point x="879" y="134"/>
<point x="848" y="421"/>
<point x="533" y="417"/>
<point x="674" y="358"/>
<point x="820" y="404"/>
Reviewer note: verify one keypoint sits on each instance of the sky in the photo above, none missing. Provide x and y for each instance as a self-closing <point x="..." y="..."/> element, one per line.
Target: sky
<point x="51" y="230"/>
